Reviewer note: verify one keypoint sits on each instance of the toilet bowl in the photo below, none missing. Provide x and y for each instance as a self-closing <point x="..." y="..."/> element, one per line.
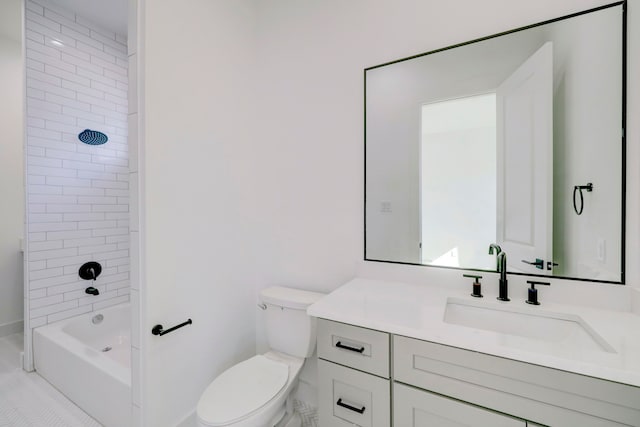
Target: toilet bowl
<point x="254" y="393"/>
<point x="250" y="394"/>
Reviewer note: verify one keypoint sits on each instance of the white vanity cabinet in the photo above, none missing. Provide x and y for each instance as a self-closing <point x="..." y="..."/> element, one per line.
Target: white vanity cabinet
<point x="373" y="378"/>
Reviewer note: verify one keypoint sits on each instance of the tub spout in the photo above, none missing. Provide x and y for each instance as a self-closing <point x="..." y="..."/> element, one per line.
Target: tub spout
<point x="92" y="291"/>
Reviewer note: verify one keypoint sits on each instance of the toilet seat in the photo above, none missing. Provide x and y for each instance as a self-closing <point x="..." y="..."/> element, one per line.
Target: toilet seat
<point x="242" y="390"/>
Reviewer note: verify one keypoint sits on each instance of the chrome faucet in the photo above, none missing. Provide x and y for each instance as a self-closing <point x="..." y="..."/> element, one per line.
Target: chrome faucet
<point x="503" y="290"/>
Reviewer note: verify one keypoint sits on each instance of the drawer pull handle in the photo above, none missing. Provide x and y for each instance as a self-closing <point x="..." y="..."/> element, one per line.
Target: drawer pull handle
<point x="349" y="407"/>
<point x="346" y="347"/>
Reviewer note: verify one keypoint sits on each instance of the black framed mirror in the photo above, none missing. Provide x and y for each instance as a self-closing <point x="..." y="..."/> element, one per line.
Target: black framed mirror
<point x="515" y="139"/>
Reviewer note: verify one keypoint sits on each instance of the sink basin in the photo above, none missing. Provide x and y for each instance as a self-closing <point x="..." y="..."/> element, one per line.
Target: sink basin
<point x="522" y="325"/>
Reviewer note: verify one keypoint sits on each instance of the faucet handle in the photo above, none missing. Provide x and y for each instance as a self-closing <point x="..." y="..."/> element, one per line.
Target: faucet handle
<point x="533" y="292"/>
<point x="538" y="263"/>
<point x="477" y="287"/>
<point x="90" y="270"/>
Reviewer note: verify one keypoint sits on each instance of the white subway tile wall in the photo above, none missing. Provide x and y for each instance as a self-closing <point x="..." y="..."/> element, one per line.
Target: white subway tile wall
<point x="137" y="349"/>
<point x="78" y="194"/>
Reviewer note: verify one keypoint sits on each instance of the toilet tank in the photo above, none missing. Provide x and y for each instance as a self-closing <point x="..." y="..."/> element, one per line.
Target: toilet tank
<point x="289" y="329"/>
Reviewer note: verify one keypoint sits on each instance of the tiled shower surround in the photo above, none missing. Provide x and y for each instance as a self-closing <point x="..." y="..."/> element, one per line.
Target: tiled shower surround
<point x="77" y="194"/>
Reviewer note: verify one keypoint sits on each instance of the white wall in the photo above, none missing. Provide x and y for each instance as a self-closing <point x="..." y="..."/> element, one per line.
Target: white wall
<point x="78" y="194"/>
<point x="311" y="61"/>
<point x="252" y="164"/>
<point x="11" y="167"/>
<point x="591" y="153"/>
<point x="198" y="247"/>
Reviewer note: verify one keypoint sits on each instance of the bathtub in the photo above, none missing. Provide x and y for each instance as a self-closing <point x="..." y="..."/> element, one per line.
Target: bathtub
<point x="88" y="358"/>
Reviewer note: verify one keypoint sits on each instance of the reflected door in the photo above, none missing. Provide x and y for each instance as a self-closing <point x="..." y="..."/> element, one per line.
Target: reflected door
<point x="525" y="164"/>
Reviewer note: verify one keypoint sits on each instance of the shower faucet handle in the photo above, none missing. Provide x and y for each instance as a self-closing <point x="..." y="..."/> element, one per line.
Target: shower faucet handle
<point x="90" y="270"/>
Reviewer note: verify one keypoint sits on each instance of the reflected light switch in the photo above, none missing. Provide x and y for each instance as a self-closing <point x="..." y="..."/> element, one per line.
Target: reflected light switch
<point x="602" y="250"/>
<point x="385" y="207"/>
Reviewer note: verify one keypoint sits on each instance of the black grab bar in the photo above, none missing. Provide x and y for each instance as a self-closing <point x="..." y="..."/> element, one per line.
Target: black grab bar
<point x="159" y="330"/>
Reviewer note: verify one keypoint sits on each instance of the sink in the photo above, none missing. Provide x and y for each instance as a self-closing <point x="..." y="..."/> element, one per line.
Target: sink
<point x="523" y="326"/>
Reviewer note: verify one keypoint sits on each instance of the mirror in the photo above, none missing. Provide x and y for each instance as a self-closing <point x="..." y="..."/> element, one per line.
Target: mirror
<point x="515" y="139"/>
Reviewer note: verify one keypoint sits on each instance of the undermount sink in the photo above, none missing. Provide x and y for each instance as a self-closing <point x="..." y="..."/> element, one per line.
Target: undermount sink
<point x="523" y="326"/>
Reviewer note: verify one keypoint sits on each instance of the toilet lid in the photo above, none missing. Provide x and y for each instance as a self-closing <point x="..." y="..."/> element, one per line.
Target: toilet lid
<point x="241" y="390"/>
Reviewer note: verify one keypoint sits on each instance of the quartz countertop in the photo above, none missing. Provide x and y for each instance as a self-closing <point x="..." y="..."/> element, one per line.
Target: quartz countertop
<point x="419" y="311"/>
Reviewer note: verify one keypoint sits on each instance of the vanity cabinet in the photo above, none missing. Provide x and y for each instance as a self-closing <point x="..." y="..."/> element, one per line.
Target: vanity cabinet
<point x="372" y="378"/>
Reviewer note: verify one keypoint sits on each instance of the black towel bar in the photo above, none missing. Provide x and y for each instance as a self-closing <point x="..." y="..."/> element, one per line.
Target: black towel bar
<point x="158" y="329"/>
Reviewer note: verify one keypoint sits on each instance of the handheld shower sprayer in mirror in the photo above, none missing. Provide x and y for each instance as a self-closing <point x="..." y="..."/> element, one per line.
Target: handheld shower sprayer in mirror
<point x="484" y="141"/>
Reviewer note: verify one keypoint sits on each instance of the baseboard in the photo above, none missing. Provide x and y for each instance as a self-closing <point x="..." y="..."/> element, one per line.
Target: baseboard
<point x="189" y="421"/>
<point x="11" y="328"/>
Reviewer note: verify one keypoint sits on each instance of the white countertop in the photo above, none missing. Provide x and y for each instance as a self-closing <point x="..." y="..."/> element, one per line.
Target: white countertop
<point x="418" y="312"/>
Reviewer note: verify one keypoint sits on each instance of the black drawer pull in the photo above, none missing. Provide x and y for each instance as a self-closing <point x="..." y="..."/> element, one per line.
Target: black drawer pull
<point x="349" y="407"/>
<point x="346" y="347"/>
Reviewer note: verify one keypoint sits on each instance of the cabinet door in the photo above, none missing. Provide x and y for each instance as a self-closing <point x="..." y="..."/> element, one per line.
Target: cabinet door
<point x="418" y="408"/>
<point x="348" y="398"/>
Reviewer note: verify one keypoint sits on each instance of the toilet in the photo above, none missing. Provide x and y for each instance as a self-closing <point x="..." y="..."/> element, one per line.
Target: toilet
<point x="257" y="392"/>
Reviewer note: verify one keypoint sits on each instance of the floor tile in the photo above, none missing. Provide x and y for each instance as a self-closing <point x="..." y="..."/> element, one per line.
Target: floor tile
<point x="27" y="400"/>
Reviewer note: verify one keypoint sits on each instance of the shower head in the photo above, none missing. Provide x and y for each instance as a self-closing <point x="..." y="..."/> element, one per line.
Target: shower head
<point x="92" y="137"/>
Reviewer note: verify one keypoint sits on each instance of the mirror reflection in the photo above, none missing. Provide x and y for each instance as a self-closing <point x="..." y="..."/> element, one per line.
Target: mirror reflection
<point x="515" y="140"/>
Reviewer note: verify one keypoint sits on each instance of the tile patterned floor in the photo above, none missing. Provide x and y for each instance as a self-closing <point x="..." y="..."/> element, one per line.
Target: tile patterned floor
<point x="27" y="400"/>
<point x="308" y="413"/>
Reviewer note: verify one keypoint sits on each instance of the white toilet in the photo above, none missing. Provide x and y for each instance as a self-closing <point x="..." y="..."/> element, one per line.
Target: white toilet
<point x="255" y="393"/>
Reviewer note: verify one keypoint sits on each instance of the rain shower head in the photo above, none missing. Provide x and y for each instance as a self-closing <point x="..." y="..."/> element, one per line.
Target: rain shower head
<point x="92" y="137"/>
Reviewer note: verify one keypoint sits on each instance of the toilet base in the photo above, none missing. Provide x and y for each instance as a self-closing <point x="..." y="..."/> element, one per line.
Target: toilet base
<point x="293" y="421"/>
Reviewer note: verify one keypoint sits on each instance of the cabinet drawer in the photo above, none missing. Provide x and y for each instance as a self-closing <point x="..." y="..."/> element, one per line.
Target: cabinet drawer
<point x="364" y="349"/>
<point x="347" y="397"/>
<point x="418" y="408"/>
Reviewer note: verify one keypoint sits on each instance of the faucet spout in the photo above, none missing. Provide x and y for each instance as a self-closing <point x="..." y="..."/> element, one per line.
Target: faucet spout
<point x="503" y="290"/>
<point x="494" y="247"/>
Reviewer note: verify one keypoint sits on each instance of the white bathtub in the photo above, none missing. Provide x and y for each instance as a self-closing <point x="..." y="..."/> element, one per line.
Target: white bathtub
<point x="90" y="362"/>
